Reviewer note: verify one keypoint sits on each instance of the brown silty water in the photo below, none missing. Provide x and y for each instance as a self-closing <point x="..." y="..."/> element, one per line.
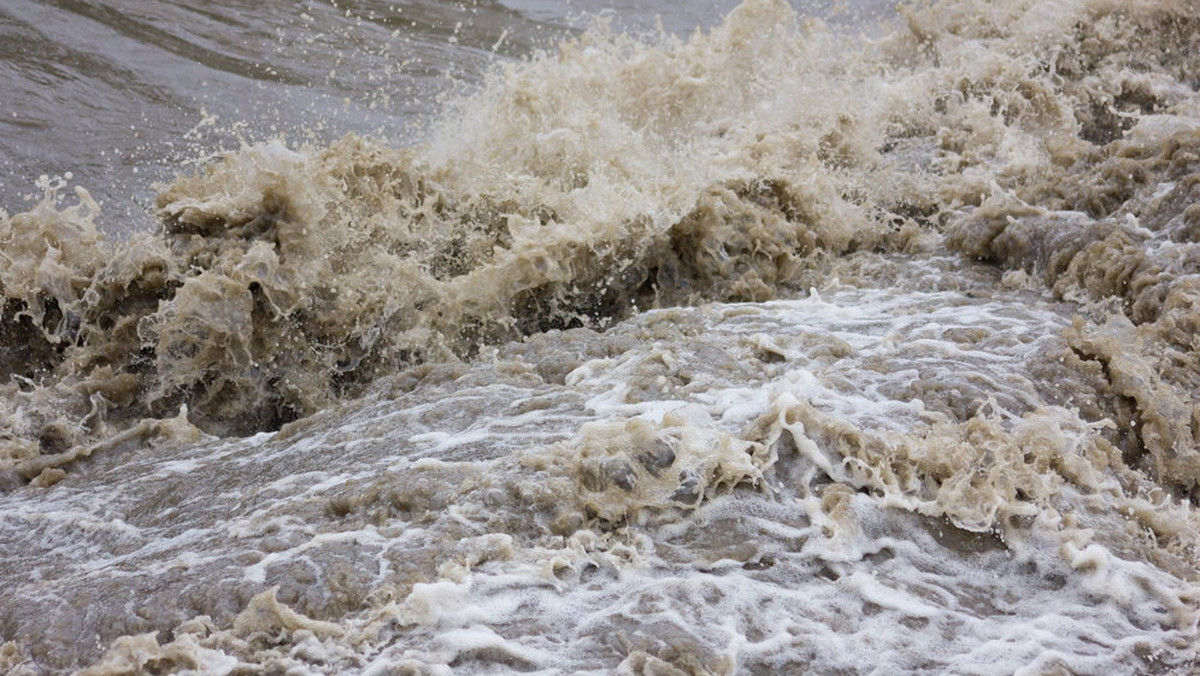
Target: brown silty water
<point x="763" y="350"/>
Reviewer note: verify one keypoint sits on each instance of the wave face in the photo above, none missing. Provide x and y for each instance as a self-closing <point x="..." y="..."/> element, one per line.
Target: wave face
<point x="766" y="350"/>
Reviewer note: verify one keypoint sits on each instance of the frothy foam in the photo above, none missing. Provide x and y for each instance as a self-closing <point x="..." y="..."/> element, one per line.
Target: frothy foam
<point x="711" y="488"/>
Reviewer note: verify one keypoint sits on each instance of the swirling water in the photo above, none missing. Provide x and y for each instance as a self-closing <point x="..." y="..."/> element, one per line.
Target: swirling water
<point x="814" y="340"/>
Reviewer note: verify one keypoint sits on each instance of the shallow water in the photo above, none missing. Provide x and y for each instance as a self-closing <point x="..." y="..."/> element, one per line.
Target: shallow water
<point x="767" y="348"/>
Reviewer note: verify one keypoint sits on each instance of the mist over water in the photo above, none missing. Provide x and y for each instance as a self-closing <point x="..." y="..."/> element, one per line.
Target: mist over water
<point x="740" y="339"/>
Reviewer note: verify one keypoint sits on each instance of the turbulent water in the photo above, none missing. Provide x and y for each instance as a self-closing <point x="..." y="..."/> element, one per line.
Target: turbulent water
<point x="764" y="348"/>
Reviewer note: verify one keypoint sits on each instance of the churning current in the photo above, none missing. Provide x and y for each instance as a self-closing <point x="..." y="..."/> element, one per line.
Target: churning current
<point x="765" y="340"/>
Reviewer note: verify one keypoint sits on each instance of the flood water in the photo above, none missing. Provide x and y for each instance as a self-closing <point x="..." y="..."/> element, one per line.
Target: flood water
<point x="127" y="94"/>
<point x="547" y="337"/>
